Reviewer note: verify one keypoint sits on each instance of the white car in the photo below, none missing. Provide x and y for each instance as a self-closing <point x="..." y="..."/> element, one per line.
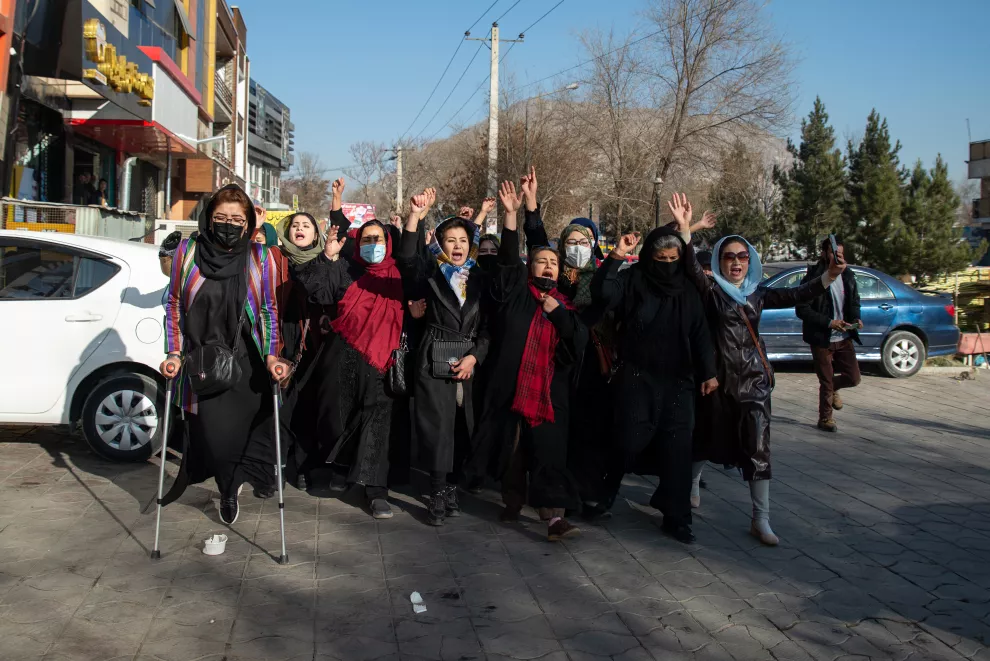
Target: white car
<point x="82" y="337"/>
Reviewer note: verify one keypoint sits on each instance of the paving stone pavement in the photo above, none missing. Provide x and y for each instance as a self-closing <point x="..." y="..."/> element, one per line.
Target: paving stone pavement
<point x="885" y="532"/>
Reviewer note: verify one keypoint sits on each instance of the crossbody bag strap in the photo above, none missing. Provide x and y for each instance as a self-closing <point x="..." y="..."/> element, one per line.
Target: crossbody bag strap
<point x="466" y="336"/>
<point x="756" y="342"/>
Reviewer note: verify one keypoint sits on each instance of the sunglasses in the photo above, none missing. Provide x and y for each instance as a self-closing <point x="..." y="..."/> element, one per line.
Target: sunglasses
<point x="732" y="256"/>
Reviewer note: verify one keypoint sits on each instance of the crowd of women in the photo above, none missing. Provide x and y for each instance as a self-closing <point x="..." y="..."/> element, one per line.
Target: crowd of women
<point x="553" y="374"/>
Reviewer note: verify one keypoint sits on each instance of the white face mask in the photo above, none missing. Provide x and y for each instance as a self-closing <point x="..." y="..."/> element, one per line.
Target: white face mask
<point x="577" y="256"/>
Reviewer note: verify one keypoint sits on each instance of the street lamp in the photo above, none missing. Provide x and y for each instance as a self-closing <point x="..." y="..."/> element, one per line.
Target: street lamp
<point x="657" y="183"/>
<point x="567" y="88"/>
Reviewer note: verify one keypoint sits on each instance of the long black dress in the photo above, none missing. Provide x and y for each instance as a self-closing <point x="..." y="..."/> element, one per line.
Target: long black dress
<point x="353" y="411"/>
<point x="443" y="429"/>
<point x="551" y="484"/>
<point x="664" y="349"/>
<point x="590" y="443"/>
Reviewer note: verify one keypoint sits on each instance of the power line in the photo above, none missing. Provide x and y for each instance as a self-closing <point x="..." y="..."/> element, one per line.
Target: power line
<point x="473" y="94"/>
<point x="542" y="17"/>
<point x="586" y="62"/>
<point x="507" y="11"/>
<point x="463" y="73"/>
<point x="445" y="70"/>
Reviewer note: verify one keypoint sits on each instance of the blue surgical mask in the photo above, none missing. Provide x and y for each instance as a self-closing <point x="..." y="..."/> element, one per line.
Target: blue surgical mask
<point x="373" y="253"/>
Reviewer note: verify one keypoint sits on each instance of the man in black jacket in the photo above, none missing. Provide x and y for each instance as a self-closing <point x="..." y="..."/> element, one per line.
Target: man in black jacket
<point x="831" y="325"/>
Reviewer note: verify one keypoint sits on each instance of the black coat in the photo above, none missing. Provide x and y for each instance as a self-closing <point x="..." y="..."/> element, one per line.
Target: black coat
<point x="817" y="315"/>
<point x="445" y="320"/>
<point x="733" y="424"/>
<point x="551" y="484"/>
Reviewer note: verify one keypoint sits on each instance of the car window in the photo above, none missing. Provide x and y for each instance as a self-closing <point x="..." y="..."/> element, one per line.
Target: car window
<point x="788" y="281"/>
<point x="871" y="288"/>
<point x="33" y="272"/>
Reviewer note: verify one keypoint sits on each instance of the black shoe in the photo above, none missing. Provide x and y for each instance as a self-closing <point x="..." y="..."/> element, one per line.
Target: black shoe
<point x="229" y="510"/>
<point x="264" y="492"/>
<point x="380" y="509"/>
<point x="680" y="532"/>
<point x="475" y="486"/>
<point x="561" y="529"/>
<point x="338" y="482"/>
<point x="437" y="506"/>
<point x="453" y="508"/>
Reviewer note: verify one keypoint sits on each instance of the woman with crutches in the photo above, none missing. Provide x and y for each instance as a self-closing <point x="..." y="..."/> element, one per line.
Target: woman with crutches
<point x="223" y="343"/>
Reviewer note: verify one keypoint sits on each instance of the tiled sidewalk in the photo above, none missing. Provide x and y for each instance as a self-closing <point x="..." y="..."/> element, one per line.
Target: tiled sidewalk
<point x="886" y="554"/>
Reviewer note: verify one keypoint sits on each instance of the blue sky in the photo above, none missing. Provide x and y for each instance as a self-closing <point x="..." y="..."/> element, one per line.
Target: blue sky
<point x="360" y="70"/>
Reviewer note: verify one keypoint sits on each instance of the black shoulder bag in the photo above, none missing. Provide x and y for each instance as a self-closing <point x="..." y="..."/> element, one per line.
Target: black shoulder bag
<point x="213" y="368"/>
<point x="397" y="377"/>
<point x="444" y="353"/>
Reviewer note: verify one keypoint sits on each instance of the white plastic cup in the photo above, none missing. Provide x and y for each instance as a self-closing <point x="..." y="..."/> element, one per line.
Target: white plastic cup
<point x="214" y="545"/>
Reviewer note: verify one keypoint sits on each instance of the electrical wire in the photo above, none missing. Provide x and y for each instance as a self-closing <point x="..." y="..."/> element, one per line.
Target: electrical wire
<point x="460" y="43"/>
<point x="542" y="17"/>
<point x="463" y="73"/>
<point x="507" y="11"/>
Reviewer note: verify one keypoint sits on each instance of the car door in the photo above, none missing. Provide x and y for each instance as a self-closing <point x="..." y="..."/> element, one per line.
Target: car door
<point x="58" y="304"/>
<point x="781" y="329"/>
<point x="877" y="307"/>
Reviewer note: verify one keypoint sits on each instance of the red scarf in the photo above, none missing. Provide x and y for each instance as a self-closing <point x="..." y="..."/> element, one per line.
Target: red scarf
<point x="532" y="400"/>
<point x="369" y="316"/>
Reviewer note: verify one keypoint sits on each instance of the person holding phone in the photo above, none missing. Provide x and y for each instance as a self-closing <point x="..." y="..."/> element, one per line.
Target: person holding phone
<point x="831" y="323"/>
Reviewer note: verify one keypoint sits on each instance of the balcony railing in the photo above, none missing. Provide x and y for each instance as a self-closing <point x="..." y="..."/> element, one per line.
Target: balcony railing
<point x="222" y="91"/>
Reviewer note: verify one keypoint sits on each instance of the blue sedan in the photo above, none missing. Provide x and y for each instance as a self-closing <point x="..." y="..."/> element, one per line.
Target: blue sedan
<point x="901" y="326"/>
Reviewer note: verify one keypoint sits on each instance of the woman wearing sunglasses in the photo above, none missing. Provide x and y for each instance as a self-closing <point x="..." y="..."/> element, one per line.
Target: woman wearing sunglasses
<point x="735" y="424"/>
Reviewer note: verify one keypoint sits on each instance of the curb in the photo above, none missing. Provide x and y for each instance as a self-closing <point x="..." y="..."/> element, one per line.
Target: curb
<point x="948" y="370"/>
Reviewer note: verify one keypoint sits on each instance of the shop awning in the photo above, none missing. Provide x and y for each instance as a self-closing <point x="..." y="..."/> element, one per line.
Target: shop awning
<point x="134" y="136"/>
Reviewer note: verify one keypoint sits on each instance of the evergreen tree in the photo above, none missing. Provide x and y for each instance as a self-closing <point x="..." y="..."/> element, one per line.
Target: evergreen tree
<point x="935" y="244"/>
<point x="746" y="198"/>
<point x="874" y="196"/>
<point x="814" y="189"/>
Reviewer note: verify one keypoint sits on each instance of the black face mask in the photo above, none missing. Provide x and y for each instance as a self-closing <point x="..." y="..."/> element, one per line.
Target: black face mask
<point x="226" y="235"/>
<point x="665" y="277"/>
<point x="544" y="284"/>
<point x="665" y="269"/>
<point x="487" y="263"/>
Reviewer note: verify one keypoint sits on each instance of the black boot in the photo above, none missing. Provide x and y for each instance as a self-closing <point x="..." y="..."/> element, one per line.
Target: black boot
<point x="453" y="508"/>
<point x="437" y="506"/>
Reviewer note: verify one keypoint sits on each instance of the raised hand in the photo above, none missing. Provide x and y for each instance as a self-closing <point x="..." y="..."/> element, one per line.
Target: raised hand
<point x="510" y="200"/>
<point x="333" y="246"/>
<point x="465" y="212"/>
<point x="419" y="203"/>
<point x="396" y="220"/>
<point x="431" y="199"/>
<point x="835" y="270"/>
<point x="627" y="243"/>
<point x="707" y="222"/>
<point x="429" y="236"/>
<point x="709" y="386"/>
<point x="417" y="308"/>
<point x="337" y="187"/>
<point x="680" y="207"/>
<point x="488" y="205"/>
<point x="528" y="184"/>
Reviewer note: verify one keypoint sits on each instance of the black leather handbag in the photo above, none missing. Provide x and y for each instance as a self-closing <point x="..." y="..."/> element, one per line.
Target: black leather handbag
<point x="213" y="368"/>
<point x="397" y="377"/>
<point x="444" y="353"/>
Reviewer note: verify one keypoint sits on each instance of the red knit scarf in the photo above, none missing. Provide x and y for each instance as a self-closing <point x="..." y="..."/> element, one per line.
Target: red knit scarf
<point x="532" y="399"/>
<point x="369" y="316"/>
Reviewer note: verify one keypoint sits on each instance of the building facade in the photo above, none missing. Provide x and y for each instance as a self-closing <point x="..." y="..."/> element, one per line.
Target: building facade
<point x="151" y="96"/>
<point x="270" y="145"/>
<point x="979" y="168"/>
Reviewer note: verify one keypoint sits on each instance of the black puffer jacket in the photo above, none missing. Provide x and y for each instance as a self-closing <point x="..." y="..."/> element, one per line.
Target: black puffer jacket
<point x="817" y="315"/>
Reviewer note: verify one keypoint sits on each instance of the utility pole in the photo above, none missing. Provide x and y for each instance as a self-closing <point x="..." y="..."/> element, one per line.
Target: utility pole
<point x="657" y="183"/>
<point x="398" y="180"/>
<point x="493" y="43"/>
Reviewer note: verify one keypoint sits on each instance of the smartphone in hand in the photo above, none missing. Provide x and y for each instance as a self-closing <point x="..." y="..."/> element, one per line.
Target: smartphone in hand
<point x="835" y="248"/>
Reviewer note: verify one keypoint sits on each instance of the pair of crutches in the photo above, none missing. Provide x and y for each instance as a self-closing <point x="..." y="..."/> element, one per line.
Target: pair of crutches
<point x="156" y="551"/>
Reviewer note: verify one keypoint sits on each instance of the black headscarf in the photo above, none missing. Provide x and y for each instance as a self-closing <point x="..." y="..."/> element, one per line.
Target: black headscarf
<point x="228" y="267"/>
<point x="662" y="278"/>
<point x="213" y="261"/>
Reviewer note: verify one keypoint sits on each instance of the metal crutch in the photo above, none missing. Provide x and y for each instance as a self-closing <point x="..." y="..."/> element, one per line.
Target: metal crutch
<point x="156" y="553"/>
<point x="284" y="558"/>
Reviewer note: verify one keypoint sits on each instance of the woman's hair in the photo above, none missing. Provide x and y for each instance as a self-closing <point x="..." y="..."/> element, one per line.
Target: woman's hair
<point x="667" y="241"/>
<point x="232" y="194"/>
<point x="455" y="223"/>
<point x="538" y="249"/>
<point x="727" y="243"/>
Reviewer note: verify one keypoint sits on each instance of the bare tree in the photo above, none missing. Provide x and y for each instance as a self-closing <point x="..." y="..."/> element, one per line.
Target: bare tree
<point x="368" y="175"/>
<point x="715" y="65"/>
<point x="309" y="182"/>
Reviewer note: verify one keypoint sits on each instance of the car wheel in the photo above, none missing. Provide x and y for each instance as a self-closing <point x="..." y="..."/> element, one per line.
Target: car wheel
<point x="903" y="354"/>
<point x="121" y="417"/>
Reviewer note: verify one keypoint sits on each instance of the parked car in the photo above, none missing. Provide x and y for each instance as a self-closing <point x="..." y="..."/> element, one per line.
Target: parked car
<point x="901" y="326"/>
<point x="82" y="338"/>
